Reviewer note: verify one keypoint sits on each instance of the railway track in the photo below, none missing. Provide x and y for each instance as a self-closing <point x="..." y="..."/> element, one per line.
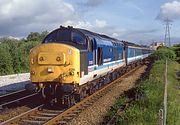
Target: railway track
<point x="46" y="116"/>
<point x="15" y="98"/>
<point x="13" y="95"/>
<point x="37" y="115"/>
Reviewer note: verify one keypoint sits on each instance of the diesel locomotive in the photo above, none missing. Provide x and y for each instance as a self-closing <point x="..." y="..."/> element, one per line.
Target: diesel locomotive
<point x="72" y="63"/>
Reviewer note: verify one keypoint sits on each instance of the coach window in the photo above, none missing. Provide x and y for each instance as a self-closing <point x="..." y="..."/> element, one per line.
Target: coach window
<point x="120" y="51"/>
<point x="110" y="49"/>
<point x="131" y="52"/>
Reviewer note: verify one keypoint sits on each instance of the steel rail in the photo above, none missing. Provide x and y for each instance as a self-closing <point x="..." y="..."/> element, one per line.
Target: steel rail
<point x="12" y="93"/>
<point x="17" y="100"/>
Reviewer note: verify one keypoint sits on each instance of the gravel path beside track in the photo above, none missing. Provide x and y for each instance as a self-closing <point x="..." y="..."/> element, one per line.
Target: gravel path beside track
<point x="94" y="114"/>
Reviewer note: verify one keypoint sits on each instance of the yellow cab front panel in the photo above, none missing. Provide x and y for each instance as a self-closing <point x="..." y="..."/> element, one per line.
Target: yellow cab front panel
<point x="55" y="62"/>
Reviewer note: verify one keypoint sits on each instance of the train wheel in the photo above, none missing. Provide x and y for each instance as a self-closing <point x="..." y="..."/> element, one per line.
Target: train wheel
<point x="47" y="93"/>
<point x="59" y="95"/>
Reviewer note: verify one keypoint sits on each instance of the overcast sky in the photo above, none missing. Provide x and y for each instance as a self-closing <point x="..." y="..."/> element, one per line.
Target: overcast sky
<point x="139" y="21"/>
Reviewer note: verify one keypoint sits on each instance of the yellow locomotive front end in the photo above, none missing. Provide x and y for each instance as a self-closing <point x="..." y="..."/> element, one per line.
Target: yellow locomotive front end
<point x="54" y="63"/>
<point x="55" y="70"/>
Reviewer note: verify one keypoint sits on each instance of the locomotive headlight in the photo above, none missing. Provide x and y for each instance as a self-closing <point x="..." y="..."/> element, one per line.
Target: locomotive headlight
<point x="41" y="59"/>
<point x="50" y="70"/>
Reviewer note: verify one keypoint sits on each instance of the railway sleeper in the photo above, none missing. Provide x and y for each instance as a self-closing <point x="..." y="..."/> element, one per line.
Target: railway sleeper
<point x="66" y="118"/>
<point x="29" y="122"/>
<point x="77" y="111"/>
<point x="47" y="114"/>
<point x="71" y="115"/>
<point x="62" y="122"/>
<point x="44" y="118"/>
<point x="54" y="111"/>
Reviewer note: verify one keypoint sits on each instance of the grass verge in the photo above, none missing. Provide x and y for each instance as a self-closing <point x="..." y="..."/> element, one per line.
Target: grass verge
<point x="173" y="111"/>
<point x="148" y="98"/>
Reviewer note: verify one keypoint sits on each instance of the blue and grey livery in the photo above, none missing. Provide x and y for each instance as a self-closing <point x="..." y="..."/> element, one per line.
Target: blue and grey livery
<point x="72" y="63"/>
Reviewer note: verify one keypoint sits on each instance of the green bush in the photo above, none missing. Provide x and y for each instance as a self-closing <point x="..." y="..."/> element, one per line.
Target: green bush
<point x="176" y="49"/>
<point x="14" y="54"/>
<point x="164" y="53"/>
<point x="6" y="64"/>
<point x="13" y="51"/>
<point x="23" y="53"/>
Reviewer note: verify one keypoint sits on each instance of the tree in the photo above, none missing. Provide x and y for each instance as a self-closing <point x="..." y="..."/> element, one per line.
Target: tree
<point x="13" y="50"/>
<point x="164" y="53"/>
<point x="35" y="36"/>
<point x="24" y="50"/>
<point x="14" y="54"/>
<point x="176" y="49"/>
<point x="6" y="64"/>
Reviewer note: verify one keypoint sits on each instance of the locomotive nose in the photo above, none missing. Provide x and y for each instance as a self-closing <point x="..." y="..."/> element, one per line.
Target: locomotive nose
<point x="56" y="63"/>
<point x="51" y="58"/>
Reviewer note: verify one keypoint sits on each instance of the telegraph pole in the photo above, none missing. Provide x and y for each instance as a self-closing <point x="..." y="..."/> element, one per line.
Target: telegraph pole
<point x="167" y="38"/>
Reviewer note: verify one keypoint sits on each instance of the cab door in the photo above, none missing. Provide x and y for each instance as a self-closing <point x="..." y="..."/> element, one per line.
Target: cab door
<point x="100" y="56"/>
<point x="94" y="44"/>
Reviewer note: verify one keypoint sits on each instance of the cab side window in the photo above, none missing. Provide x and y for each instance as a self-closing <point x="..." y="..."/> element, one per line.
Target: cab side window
<point x="78" y="38"/>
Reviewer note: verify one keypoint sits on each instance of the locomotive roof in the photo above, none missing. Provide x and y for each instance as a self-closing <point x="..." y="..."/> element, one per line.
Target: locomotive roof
<point x="114" y="40"/>
<point x="90" y="33"/>
<point x="135" y="45"/>
<point x="102" y="36"/>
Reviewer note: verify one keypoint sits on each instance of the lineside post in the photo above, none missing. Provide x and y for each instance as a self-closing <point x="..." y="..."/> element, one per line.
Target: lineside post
<point x="160" y="122"/>
<point x="163" y="112"/>
<point x="165" y="94"/>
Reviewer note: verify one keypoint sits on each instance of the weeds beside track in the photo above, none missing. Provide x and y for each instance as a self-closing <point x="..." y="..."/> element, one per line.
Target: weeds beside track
<point x="145" y="107"/>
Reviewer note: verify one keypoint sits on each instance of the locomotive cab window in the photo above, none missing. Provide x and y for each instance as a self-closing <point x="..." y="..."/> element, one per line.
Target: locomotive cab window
<point x="78" y="38"/>
<point x="67" y="36"/>
<point x="64" y="35"/>
<point x="90" y="45"/>
<point x="58" y="36"/>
